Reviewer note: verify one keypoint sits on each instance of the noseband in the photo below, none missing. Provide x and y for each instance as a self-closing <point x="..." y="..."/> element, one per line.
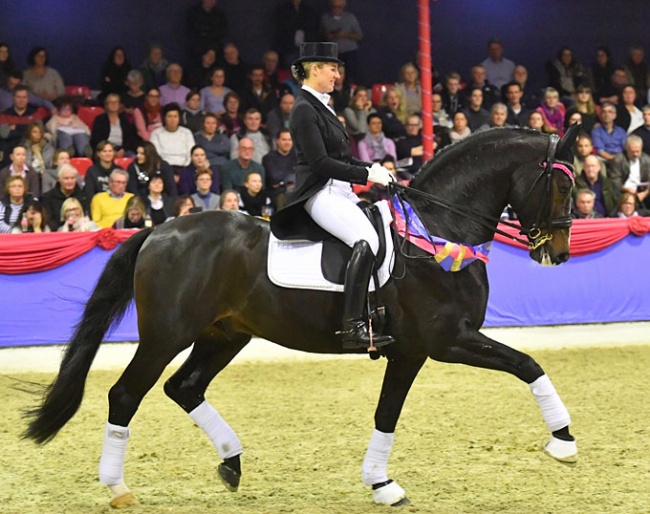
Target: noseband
<point x="544" y="218"/>
<point x="543" y="221"/>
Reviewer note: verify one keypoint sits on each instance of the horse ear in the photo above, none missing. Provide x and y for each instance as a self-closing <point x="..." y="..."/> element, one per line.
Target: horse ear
<point x="565" y="146"/>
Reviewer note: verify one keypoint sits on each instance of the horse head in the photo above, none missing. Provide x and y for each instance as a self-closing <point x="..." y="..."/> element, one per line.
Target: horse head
<point x="544" y="208"/>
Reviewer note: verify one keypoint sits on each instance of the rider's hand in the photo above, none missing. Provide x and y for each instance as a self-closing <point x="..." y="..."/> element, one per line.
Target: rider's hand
<point x="380" y="175"/>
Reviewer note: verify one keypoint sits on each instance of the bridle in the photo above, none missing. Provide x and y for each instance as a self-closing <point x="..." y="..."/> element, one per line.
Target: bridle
<point x="543" y="220"/>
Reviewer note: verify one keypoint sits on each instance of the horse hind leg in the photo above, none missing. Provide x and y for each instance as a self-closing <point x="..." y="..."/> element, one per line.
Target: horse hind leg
<point x="476" y="349"/>
<point x="212" y="352"/>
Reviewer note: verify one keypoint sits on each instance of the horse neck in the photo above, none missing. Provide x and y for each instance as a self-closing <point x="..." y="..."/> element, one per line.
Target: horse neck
<point x="475" y="176"/>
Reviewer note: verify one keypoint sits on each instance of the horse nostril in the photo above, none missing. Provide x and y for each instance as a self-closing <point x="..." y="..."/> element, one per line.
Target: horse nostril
<point x="562" y="257"/>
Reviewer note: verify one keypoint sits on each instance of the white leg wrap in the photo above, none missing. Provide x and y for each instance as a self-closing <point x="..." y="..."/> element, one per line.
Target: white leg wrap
<point x="553" y="410"/>
<point x="374" y="466"/>
<point x="222" y="436"/>
<point x="111" y="464"/>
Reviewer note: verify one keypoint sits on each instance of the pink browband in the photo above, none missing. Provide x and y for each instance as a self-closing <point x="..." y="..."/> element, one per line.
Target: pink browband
<point x="562" y="167"/>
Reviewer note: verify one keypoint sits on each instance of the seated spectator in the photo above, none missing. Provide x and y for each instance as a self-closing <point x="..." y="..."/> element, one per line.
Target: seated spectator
<point x="72" y="218"/>
<point x="575" y="118"/>
<point x="490" y="92"/>
<point x="279" y="166"/>
<point x="273" y="76"/>
<point x="20" y="168"/>
<point x="135" y="96"/>
<point x="498" y="116"/>
<point x="173" y="142"/>
<point x="409" y="87"/>
<point x="229" y="200"/>
<point x="637" y="71"/>
<point x="13" y="204"/>
<point x="199" y="162"/>
<point x="147" y="117"/>
<point x="234" y="172"/>
<point x="236" y="71"/>
<point x="14" y="121"/>
<point x="608" y="139"/>
<point x="278" y="118"/>
<point x="214" y="139"/>
<point x="114" y="74"/>
<point x="476" y="115"/>
<point x="530" y="99"/>
<point x="411" y="145"/>
<point x="67" y="187"/>
<point x="584" y="205"/>
<point x="67" y="130"/>
<point x="153" y="68"/>
<point x="630" y="170"/>
<point x="342" y="92"/>
<point x="158" y="204"/>
<point x="204" y="196"/>
<point x="213" y="97"/>
<point x="393" y="113"/>
<point x="7" y="64"/>
<point x="252" y="130"/>
<point x="108" y="206"/>
<point x="498" y="69"/>
<point x="258" y="94"/>
<point x="173" y="91"/>
<point x="460" y="129"/>
<point x="628" y="207"/>
<point x="199" y="75"/>
<point x="114" y="126"/>
<point x="7" y="88"/>
<point x="379" y="192"/>
<point x="231" y="119"/>
<point x="50" y="178"/>
<point x="134" y="217"/>
<point x="39" y="150"/>
<point x="192" y="116"/>
<point x="517" y="113"/>
<point x="565" y="73"/>
<point x="553" y="112"/>
<point x="592" y="178"/>
<point x="97" y="176"/>
<point x="440" y="117"/>
<point x="375" y="145"/>
<point x="146" y="164"/>
<point x="294" y="22"/>
<point x="452" y="99"/>
<point x="583" y="102"/>
<point x="584" y="148"/>
<point x="35" y="219"/>
<point x="40" y="78"/>
<point x="536" y="121"/>
<point x="628" y="116"/>
<point x="356" y="113"/>
<point x="600" y="71"/>
<point x="253" y="199"/>
<point x="644" y="130"/>
<point x="183" y="206"/>
<point x="612" y="91"/>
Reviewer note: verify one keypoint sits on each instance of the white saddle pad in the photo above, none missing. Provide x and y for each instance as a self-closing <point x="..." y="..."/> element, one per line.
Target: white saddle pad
<point x="296" y="264"/>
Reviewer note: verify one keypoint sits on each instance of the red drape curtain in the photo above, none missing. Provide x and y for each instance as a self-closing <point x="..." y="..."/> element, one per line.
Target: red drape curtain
<point x="589" y="236"/>
<point x="30" y="253"/>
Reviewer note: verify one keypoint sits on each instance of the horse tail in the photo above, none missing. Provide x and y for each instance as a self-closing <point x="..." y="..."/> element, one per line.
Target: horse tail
<point x="106" y="306"/>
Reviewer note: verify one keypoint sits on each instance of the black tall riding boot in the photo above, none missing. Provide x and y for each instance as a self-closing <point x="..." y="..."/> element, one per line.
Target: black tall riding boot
<point x="357" y="277"/>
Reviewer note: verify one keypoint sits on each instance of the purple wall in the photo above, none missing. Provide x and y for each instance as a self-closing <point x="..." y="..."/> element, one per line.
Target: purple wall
<point x="78" y="32"/>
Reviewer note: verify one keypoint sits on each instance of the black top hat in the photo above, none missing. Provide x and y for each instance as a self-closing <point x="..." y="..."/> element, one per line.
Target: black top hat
<point x="318" y="52"/>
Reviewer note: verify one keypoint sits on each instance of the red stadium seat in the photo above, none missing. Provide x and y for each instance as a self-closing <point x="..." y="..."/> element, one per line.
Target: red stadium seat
<point x="88" y="114"/>
<point x="81" y="164"/>
<point x="378" y="91"/>
<point x="123" y="162"/>
<point x="82" y="92"/>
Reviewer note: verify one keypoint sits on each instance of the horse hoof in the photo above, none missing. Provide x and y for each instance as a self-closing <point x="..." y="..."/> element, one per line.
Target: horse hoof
<point x="390" y="494"/>
<point x="565" y="452"/>
<point x="229" y="477"/>
<point x="123" y="501"/>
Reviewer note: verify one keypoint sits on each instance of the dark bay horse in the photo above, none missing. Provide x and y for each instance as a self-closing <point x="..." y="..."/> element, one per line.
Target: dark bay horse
<point x="202" y="280"/>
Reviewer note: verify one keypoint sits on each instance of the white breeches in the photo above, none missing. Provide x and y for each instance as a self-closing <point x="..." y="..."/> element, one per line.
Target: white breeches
<point x="334" y="209"/>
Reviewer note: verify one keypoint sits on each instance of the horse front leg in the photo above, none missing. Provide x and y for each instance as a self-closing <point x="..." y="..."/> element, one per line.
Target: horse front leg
<point x="400" y="374"/>
<point x="476" y="349"/>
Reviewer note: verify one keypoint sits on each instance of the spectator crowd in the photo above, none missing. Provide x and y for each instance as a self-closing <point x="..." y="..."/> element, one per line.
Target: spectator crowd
<point x="160" y="140"/>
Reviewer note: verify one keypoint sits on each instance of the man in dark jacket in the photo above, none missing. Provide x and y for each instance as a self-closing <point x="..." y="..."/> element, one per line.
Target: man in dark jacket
<point x="67" y="187"/>
<point x="604" y="190"/>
